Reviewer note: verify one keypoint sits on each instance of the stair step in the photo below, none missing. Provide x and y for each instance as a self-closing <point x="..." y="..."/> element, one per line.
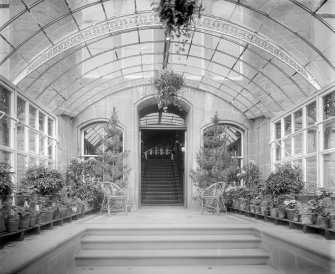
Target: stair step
<point x="206" y="269"/>
<point x="169" y="241"/>
<point x="174" y="230"/>
<point x="171" y="257"/>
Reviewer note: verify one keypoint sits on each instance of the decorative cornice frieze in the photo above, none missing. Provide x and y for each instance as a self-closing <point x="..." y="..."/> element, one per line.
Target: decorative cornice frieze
<point x="149" y="20"/>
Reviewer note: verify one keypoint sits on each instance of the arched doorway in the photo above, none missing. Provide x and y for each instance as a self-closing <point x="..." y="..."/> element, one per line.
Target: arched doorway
<point x="162" y="148"/>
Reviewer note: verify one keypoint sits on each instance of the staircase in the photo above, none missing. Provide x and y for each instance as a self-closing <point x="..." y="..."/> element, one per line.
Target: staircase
<point x="184" y="249"/>
<point x="160" y="186"/>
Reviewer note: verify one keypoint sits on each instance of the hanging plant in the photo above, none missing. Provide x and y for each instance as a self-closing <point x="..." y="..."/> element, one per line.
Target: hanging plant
<point x="168" y="84"/>
<point x="178" y="17"/>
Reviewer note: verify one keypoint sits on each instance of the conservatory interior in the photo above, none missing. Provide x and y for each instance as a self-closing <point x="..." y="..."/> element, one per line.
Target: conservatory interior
<point x="193" y="136"/>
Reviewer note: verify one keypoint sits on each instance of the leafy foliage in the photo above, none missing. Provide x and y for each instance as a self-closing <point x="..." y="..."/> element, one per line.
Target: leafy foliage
<point x="214" y="159"/>
<point x="81" y="176"/>
<point x="178" y="17"/>
<point x="284" y="180"/>
<point x="250" y="175"/>
<point x="112" y="161"/>
<point x="44" y="180"/>
<point x="6" y="184"/>
<point x="168" y="84"/>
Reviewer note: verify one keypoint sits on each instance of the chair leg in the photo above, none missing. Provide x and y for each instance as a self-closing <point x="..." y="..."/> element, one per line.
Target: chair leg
<point x="126" y="207"/>
<point x="202" y="207"/>
<point x="108" y="207"/>
<point x="102" y="204"/>
<point x="218" y="208"/>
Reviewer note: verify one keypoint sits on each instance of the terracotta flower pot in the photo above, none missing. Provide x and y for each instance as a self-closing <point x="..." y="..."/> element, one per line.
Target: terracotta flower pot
<point x="258" y="209"/>
<point x="274" y="212"/>
<point x="12" y="224"/>
<point x="242" y="206"/>
<point x="323" y="221"/>
<point x="308" y="218"/>
<point x="252" y="208"/>
<point x="289" y="213"/>
<point x="24" y="222"/>
<point x="296" y="217"/>
<point x="282" y="213"/>
<point x="266" y="212"/>
<point x="32" y="220"/>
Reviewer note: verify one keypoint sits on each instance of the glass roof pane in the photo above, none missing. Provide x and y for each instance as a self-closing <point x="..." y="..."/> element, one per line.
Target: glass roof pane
<point x="36" y="44"/>
<point x="58" y="31"/>
<point x="89" y="16"/>
<point x="48" y="10"/>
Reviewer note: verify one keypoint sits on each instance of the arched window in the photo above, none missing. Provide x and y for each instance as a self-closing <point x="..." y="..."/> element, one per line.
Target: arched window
<point x="233" y="136"/>
<point x="92" y="139"/>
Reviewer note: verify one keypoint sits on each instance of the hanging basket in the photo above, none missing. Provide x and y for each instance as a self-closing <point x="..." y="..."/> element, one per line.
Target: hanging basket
<point x="168" y="85"/>
<point x="178" y="16"/>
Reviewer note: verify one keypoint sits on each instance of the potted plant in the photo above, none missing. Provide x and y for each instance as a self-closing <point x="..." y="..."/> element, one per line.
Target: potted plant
<point x="11" y="217"/>
<point x="297" y="212"/>
<point x="168" y="85"/>
<point x="323" y="210"/>
<point x="6" y="184"/>
<point x="290" y="208"/>
<point x="24" y="215"/>
<point x="308" y="214"/>
<point x="282" y="211"/>
<point x="178" y="17"/>
<point x="265" y="206"/>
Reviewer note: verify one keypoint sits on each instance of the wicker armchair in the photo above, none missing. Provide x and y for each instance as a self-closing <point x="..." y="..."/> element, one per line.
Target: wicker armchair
<point x="115" y="198"/>
<point x="212" y="198"/>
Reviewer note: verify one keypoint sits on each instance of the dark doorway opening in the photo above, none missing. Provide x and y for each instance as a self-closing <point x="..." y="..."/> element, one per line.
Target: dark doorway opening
<point x="162" y="163"/>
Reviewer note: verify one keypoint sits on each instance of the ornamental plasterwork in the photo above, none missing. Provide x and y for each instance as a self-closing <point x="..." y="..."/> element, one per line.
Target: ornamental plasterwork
<point x="145" y="20"/>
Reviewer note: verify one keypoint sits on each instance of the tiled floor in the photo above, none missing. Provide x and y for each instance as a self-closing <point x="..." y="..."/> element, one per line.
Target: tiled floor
<point x="18" y="253"/>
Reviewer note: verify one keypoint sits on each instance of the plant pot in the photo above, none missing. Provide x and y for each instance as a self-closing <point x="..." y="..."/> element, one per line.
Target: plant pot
<point x="24" y="222"/>
<point x="308" y="218"/>
<point x="266" y="212"/>
<point x="2" y="223"/>
<point x="49" y="216"/>
<point x="332" y="223"/>
<point x="274" y="212"/>
<point x="12" y="224"/>
<point x="289" y="213"/>
<point x="242" y="206"/>
<point x="296" y="217"/>
<point x="282" y="213"/>
<point x="323" y="221"/>
<point x="32" y="220"/>
<point x="252" y="208"/>
<point x="263" y="208"/>
<point x="257" y="209"/>
<point x="63" y="213"/>
<point x="56" y="215"/>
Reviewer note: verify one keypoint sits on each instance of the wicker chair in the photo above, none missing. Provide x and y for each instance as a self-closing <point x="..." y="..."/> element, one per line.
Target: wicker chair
<point x="115" y="198"/>
<point x="212" y="198"/>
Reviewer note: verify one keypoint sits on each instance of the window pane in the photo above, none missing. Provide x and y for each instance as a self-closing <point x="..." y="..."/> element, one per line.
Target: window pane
<point x="329" y="105"/>
<point x="50" y="148"/>
<point x="32" y="161"/>
<point x="278" y="130"/>
<point x="41" y="119"/>
<point x="4" y="156"/>
<point x="21" y="166"/>
<point x="50" y="127"/>
<point x="298" y="120"/>
<point x="21" y="114"/>
<point x="4" y="131"/>
<point x="42" y="144"/>
<point x="329" y="134"/>
<point x="288" y="145"/>
<point x="278" y="152"/>
<point x="329" y="171"/>
<point x="93" y="139"/>
<point x="20" y="136"/>
<point x="288" y="125"/>
<point x="32" y="140"/>
<point x="298" y="163"/>
<point x="298" y="143"/>
<point x="4" y="100"/>
<point x="311" y="174"/>
<point x="311" y="114"/>
<point x="311" y="140"/>
<point x="32" y="116"/>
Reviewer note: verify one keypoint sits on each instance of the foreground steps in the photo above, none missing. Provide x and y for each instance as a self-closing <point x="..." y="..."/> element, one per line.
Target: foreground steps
<point x="226" y="269"/>
<point x="182" y="249"/>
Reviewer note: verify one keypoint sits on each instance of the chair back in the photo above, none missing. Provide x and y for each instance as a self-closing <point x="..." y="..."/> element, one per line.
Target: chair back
<point x="111" y="189"/>
<point x="215" y="189"/>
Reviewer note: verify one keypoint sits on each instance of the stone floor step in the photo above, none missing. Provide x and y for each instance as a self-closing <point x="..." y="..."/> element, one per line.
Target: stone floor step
<point x="171" y="257"/>
<point x="166" y="229"/>
<point x="169" y="241"/>
<point x="206" y="269"/>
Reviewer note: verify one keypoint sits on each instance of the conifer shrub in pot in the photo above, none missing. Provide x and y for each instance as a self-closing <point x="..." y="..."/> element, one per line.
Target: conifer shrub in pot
<point x="6" y="189"/>
<point x="323" y="209"/>
<point x="308" y="214"/>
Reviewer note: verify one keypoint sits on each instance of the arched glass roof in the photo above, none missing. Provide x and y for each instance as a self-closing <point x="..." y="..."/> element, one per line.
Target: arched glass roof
<point x="262" y="56"/>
